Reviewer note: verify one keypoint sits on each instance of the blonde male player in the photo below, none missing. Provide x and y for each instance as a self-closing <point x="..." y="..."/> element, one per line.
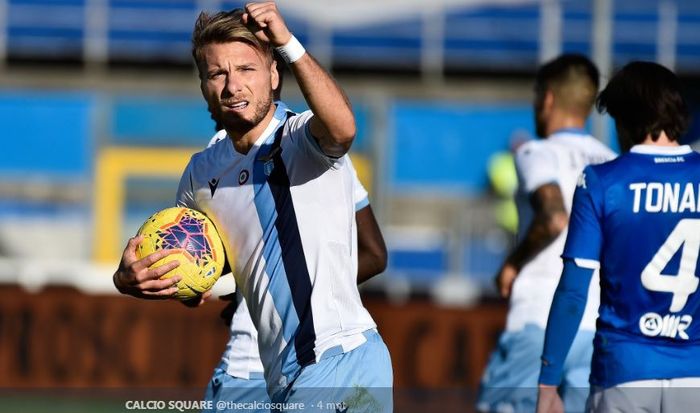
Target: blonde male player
<point x="548" y="169"/>
<point x="280" y="193"/>
<point x="239" y="376"/>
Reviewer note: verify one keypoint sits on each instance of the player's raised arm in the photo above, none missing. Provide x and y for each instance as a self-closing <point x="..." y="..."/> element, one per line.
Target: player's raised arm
<point x="333" y="124"/>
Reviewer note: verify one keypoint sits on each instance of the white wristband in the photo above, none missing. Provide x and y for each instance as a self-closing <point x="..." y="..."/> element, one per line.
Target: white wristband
<point x="292" y="51"/>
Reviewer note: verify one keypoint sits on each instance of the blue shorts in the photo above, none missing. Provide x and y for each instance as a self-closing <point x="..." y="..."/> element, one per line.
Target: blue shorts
<point x="509" y="383"/>
<point x="359" y="380"/>
<point x="225" y="391"/>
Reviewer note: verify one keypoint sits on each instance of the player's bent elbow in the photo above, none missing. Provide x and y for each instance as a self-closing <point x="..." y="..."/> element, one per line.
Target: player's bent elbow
<point x="379" y="257"/>
<point x="382" y="264"/>
<point x="343" y="137"/>
<point x="336" y="146"/>
<point x="336" y="138"/>
<point x="344" y="145"/>
<point x="343" y="129"/>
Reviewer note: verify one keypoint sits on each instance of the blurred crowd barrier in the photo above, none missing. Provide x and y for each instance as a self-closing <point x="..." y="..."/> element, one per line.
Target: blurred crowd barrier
<point x="83" y="166"/>
<point x="61" y="338"/>
<point x="431" y="37"/>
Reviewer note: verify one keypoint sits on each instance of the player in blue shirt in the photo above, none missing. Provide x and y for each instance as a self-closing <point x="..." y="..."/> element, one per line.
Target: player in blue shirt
<point x="637" y="218"/>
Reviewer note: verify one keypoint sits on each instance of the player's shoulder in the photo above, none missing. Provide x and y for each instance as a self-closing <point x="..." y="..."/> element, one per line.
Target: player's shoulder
<point x="612" y="165"/>
<point x="532" y="149"/>
<point x="612" y="169"/>
<point x="530" y="146"/>
<point x="583" y="143"/>
<point x="693" y="158"/>
<point x="297" y="123"/>
<point x="215" y="149"/>
<point x="594" y="145"/>
<point x="535" y="155"/>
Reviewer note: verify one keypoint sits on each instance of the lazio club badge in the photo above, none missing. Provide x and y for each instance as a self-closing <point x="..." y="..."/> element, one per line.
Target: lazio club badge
<point x="269" y="166"/>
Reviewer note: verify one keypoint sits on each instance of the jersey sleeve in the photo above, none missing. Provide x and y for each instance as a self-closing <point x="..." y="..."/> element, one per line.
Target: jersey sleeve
<point x="300" y="132"/>
<point x="565" y="314"/>
<point x="537" y="165"/>
<point x="185" y="190"/>
<point x="359" y="193"/>
<point x="585" y="237"/>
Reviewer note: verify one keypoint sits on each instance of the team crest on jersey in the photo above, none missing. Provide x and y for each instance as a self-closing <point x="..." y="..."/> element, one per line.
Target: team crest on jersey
<point x="243" y="177"/>
<point x="268" y="167"/>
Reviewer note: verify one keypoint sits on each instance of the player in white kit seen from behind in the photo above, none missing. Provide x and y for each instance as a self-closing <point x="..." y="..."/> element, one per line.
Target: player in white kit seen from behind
<point x="565" y="90"/>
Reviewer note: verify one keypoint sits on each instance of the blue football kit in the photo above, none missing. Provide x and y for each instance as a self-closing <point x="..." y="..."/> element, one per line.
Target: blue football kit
<point x="637" y="218"/>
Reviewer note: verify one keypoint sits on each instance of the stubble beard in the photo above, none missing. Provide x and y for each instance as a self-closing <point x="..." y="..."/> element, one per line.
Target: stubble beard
<point x="240" y="125"/>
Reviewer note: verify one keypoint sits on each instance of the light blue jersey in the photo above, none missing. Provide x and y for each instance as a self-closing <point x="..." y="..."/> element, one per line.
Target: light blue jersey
<point x="638" y="218"/>
<point x="286" y="214"/>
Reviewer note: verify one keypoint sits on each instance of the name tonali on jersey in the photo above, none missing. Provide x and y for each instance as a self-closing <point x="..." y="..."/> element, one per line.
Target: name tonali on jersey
<point x="658" y="197"/>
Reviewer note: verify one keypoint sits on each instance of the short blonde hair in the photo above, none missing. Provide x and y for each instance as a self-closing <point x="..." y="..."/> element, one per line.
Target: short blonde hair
<point x="224" y="27"/>
<point x="573" y="79"/>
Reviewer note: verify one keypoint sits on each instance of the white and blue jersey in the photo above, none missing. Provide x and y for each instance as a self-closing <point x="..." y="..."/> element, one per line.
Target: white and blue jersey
<point x="638" y="219"/>
<point x="509" y="382"/>
<point x="241" y="358"/>
<point x="286" y="214"/>
<point x="559" y="160"/>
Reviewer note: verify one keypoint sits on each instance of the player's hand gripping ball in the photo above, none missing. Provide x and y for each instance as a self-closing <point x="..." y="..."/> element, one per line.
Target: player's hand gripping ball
<point x="202" y="254"/>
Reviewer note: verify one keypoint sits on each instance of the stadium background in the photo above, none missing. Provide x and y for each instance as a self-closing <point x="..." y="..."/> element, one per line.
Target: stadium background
<point x="100" y="110"/>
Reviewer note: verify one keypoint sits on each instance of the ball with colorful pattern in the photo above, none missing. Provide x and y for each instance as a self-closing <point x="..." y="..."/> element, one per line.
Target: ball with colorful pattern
<point x="201" y="253"/>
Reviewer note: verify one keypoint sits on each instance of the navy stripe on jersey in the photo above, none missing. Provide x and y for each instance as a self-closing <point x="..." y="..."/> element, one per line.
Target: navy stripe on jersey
<point x="278" y="286"/>
<point x="285" y="264"/>
<point x="293" y="255"/>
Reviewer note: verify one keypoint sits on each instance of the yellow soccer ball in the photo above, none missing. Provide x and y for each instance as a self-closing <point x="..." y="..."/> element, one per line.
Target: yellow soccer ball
<point x="202" y="256"/>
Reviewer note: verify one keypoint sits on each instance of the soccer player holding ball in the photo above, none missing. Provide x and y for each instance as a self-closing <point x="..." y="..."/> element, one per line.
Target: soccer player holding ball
<point x="239" y="376"/>
<point x="280" y="193"/>
<point x="637" y="218"/>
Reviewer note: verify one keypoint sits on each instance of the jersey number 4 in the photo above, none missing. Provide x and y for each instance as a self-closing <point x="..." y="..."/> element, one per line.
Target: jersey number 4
<point x="685" y="235"/>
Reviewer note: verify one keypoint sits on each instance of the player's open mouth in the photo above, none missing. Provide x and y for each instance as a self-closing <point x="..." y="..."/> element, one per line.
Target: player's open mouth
<point x="238" y="106"/>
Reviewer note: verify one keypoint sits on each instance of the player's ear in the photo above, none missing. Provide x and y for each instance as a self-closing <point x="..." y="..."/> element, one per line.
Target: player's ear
<point x="274" y="75"/>
<point x="548" y="102"/>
